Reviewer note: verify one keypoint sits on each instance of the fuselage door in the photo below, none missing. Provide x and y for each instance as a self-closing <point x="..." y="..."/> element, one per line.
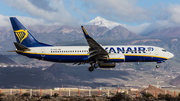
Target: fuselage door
<point x="42" y="53"/>
<point x="156" y="51"/>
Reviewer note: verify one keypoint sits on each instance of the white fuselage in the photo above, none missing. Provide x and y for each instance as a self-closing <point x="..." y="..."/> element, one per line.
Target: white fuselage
<point x="80" y="53"/>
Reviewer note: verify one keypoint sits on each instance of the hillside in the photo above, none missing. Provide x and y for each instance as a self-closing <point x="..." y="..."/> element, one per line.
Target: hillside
<point x="6" y="60"/>
<point x="175" y="81"/>
<point x="165" y="33"/>
<point x="120" y="32"/>
<point x="55" y="76"/>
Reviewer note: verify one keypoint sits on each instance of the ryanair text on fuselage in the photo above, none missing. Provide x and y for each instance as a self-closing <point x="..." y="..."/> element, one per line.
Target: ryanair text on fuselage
<point x="129" y="49"/>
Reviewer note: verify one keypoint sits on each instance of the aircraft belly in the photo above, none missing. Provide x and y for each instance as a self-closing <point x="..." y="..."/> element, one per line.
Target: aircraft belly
<point x="58" y="58"/>
<point x="66" y="58"/>
<point x="143" y="59"/>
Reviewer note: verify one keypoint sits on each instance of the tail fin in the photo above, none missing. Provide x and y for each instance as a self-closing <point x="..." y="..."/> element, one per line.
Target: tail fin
<point x="23" y="36"/>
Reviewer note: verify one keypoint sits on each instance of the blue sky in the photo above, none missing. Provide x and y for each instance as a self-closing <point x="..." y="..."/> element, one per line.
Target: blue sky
<point x="152" y="13"/>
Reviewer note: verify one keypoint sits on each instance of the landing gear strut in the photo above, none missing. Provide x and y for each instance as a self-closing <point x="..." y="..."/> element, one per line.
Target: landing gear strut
<point x="157" y="66"/>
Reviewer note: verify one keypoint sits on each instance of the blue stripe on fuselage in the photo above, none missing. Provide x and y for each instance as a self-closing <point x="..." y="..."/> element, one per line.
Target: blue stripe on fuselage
<point x="81" y="58"/>
<point x="143" y="58"/>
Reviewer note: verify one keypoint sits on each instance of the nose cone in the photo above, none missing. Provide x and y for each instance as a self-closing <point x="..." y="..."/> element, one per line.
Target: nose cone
<point x="171" y="55"/>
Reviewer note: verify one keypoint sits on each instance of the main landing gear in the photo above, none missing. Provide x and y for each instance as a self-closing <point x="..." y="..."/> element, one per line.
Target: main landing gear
<point x="91" y="68"/>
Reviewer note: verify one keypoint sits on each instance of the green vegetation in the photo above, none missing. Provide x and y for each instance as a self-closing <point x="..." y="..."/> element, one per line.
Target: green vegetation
<point x="26" y="94"/>
<point x="147" y="95"/>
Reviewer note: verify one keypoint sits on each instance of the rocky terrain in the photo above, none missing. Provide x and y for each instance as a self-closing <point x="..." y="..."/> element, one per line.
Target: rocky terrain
<point x="124" y="73"/>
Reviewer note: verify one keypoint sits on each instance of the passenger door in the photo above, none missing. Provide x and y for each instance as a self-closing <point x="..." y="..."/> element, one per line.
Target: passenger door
<point x="42" y="53"/>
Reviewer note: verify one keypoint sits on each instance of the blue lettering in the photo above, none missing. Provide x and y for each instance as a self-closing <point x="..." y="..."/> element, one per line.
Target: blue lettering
<point x="129" y="50"/>
<point x="141" y="49"/>
<point x="112" y="50"/>
<point x="106" y="48"/>
<point x="120" y="50"/>
<point x="135" y="49"/>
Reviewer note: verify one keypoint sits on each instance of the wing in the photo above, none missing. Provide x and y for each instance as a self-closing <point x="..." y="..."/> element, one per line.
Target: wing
<point x="96" y="51"/>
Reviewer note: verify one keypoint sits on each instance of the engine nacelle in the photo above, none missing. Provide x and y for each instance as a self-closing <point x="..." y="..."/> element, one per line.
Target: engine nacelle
<point x="107" y="65"/>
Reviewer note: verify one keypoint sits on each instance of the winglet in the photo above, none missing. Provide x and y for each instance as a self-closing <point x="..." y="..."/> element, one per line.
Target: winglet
<point x="85" y="33"/>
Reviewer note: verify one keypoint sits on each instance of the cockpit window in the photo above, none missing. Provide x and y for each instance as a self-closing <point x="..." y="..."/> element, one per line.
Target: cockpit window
<point x="164" y="50"/>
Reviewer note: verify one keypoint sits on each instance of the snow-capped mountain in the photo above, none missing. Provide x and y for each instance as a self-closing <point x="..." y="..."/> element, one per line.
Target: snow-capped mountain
<point x="104" y="23"/>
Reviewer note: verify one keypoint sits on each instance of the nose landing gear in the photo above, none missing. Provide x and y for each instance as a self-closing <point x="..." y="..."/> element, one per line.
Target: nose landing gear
<point x="157" y="66"/>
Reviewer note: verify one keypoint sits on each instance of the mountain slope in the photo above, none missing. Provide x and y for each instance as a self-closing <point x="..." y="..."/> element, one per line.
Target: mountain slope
<point x="120" y="32"/>
<point x="165" y="33"/>
<point x="6" y="60"/>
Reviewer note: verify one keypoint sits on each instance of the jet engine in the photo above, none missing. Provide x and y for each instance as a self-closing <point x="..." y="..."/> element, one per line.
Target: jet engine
<point x="107" y="65"/>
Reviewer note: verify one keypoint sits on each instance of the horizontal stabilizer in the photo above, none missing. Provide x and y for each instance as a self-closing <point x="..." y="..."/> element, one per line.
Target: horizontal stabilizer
<point x="21" y="47"/>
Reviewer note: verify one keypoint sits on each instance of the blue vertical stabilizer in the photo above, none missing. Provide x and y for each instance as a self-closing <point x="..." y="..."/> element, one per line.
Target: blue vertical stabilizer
<point x="23" y="36"/>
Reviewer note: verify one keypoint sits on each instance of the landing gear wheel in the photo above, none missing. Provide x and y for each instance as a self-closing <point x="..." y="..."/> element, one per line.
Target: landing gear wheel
<point x="157" y="66"/>
<point x="95" y="65"/>
<point x="91" y="69"/>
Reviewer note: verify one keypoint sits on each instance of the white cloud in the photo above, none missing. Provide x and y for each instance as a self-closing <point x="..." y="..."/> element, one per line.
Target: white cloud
<point x="53" y="12"/>
<point x="58" y="14"/>
<point x="174" y="11"/>
<point x="4" y="21"/>
<point x="139" y="28"/>
<point x="123" y="10"/>
<point x="26" y="21"/>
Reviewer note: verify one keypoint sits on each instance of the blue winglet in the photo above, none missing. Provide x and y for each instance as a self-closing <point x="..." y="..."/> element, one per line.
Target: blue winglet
<point x="85" y="33"/>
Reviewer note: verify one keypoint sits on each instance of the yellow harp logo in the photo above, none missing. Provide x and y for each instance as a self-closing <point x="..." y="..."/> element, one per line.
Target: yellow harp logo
<point x="21" y="34"/>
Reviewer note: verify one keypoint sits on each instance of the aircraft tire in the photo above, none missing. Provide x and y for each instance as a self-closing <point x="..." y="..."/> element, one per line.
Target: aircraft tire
<point x="91" y="69"/>
<point x="157" y="66"/>
<point x="95" y="65"/>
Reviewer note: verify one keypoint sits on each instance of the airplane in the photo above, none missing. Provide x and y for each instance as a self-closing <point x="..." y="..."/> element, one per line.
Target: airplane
<point x="95" y="54"/>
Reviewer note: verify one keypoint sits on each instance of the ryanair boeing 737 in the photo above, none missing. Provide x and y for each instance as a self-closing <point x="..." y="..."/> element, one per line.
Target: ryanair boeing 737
<point x="94" y="54"/>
